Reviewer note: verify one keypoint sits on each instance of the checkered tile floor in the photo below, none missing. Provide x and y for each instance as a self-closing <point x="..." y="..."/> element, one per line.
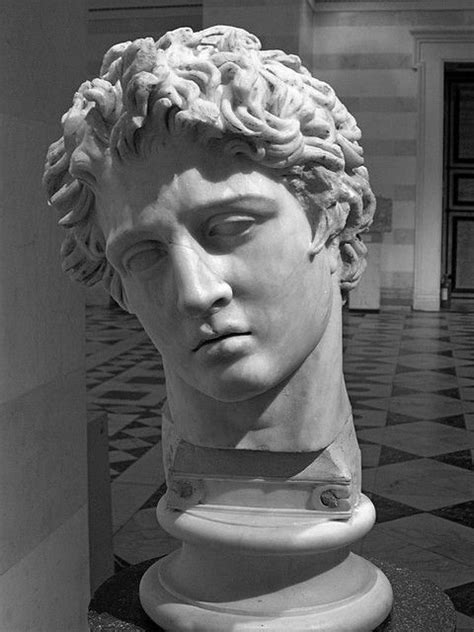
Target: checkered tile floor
<point x="411" y="381"/>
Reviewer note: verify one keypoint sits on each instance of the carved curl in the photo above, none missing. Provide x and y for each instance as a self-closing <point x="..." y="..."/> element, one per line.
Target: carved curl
<point x="219" y="86"/>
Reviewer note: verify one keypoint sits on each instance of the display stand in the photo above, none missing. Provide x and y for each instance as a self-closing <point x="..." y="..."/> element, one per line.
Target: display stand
<point x="418" y="603"/>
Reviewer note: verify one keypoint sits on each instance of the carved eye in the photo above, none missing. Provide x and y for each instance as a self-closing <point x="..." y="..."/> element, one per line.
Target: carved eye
<point x="144" y="257"/>
<point x="230" y="226"/>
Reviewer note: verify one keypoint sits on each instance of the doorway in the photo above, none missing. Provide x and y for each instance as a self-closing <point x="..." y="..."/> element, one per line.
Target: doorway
<point x="458" y="179"/>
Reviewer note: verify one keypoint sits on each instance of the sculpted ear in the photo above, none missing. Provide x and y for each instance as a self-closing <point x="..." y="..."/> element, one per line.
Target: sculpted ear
<point x="334" y="253"/>
<point x="331" y="244"/>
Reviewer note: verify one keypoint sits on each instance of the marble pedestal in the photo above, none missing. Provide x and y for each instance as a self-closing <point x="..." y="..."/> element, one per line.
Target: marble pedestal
<point x="266" y="542"/>
<point x="418" y="604"/>
<point x="253" y="569"/>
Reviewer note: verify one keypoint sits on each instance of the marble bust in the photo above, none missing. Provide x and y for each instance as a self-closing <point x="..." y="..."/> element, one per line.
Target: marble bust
<point x="218" y="191"/>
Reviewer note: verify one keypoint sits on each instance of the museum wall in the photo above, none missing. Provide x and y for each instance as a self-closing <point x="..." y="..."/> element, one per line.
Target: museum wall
<point x="113" y="21"/>
<point x="278" y="23"/>
<point x="365" y="50"/>
<point x="43" y="479"/>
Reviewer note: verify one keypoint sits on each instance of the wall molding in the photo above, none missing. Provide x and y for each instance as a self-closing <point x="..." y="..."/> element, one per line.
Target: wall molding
<point x="94" y="6"/>
<point x="393" y="5"/>
<point x="432" y="49"/>
<point x="423" y="36"/>
<point x="106" y="12"/>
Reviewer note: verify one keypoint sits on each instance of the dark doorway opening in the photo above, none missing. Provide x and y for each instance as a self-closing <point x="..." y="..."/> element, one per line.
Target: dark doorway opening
<point x="458" y="184"/>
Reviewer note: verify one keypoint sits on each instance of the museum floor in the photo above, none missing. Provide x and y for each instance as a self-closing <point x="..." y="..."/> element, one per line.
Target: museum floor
<point x="410" y="376"/>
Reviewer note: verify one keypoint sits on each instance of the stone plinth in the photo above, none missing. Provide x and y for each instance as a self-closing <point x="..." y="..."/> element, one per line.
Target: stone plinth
<point x="248" y="569"/>
<point x="267" y="542"/>
<point x="418" y="603"/>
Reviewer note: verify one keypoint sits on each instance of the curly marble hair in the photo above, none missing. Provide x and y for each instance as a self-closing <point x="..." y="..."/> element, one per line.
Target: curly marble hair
<point x="218" y="86"/>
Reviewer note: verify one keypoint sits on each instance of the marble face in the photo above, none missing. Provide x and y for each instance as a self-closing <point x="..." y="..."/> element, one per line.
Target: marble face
<point x="219" y="263"/>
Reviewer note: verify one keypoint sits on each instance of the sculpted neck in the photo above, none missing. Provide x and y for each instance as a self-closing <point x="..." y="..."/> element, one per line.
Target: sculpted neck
<point x="306" y="412"/>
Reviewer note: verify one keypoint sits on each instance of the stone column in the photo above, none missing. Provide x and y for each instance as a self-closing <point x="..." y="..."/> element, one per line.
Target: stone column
<point x="43" y="478"/>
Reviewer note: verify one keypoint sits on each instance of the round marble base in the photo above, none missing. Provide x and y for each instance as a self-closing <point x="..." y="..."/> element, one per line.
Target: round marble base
<point x="418" y="603"/>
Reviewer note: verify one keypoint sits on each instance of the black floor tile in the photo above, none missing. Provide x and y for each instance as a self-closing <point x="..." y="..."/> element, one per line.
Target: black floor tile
<point x="401" y="368"/>
<point x="120" y="564"/>
<point x="121" y="466"/>
<point x="462" y="459"/>
<point x="134" y="424"/>
<point x="389" y="509"/>
<point x="462" y="513"/>
<point x="144" y="379"/>
<point x="132" y="395"/>
<point x="448" y="370"/>
<point x="119" y="435"/>
<point x="450" y="392"/>
<point x="463" y="598"/>
<point x="404" y="390"/>
<point x="155" y="497"/>
<point x="124" y="409"/>
<point x="139" y="452"/>
<point x="392" y="455"/>
<point x="397" y="418"/>
<point x="456" y="421"/>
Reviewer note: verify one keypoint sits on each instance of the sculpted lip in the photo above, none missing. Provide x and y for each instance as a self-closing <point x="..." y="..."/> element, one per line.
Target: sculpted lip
<point x="220" y="337"/>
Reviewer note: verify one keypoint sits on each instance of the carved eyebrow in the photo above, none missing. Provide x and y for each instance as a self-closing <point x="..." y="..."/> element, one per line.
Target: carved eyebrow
<point x="231" y="200"/>
<point x="129" y="236"/>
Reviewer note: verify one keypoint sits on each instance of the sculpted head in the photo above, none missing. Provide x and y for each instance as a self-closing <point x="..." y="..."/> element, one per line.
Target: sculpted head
<point x="218" y="191"/>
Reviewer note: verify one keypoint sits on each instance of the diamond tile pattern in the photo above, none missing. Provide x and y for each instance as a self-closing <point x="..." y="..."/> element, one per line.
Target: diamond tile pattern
<point x="410" y="377"/>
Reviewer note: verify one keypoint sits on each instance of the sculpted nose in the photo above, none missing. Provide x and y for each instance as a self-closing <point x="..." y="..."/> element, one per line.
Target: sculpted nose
<point x="199" y="286"/>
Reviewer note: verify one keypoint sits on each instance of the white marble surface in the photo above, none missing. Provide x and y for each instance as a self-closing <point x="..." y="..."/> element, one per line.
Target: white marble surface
<point x="222" y="201"/>
<point x="231" y="250"/>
